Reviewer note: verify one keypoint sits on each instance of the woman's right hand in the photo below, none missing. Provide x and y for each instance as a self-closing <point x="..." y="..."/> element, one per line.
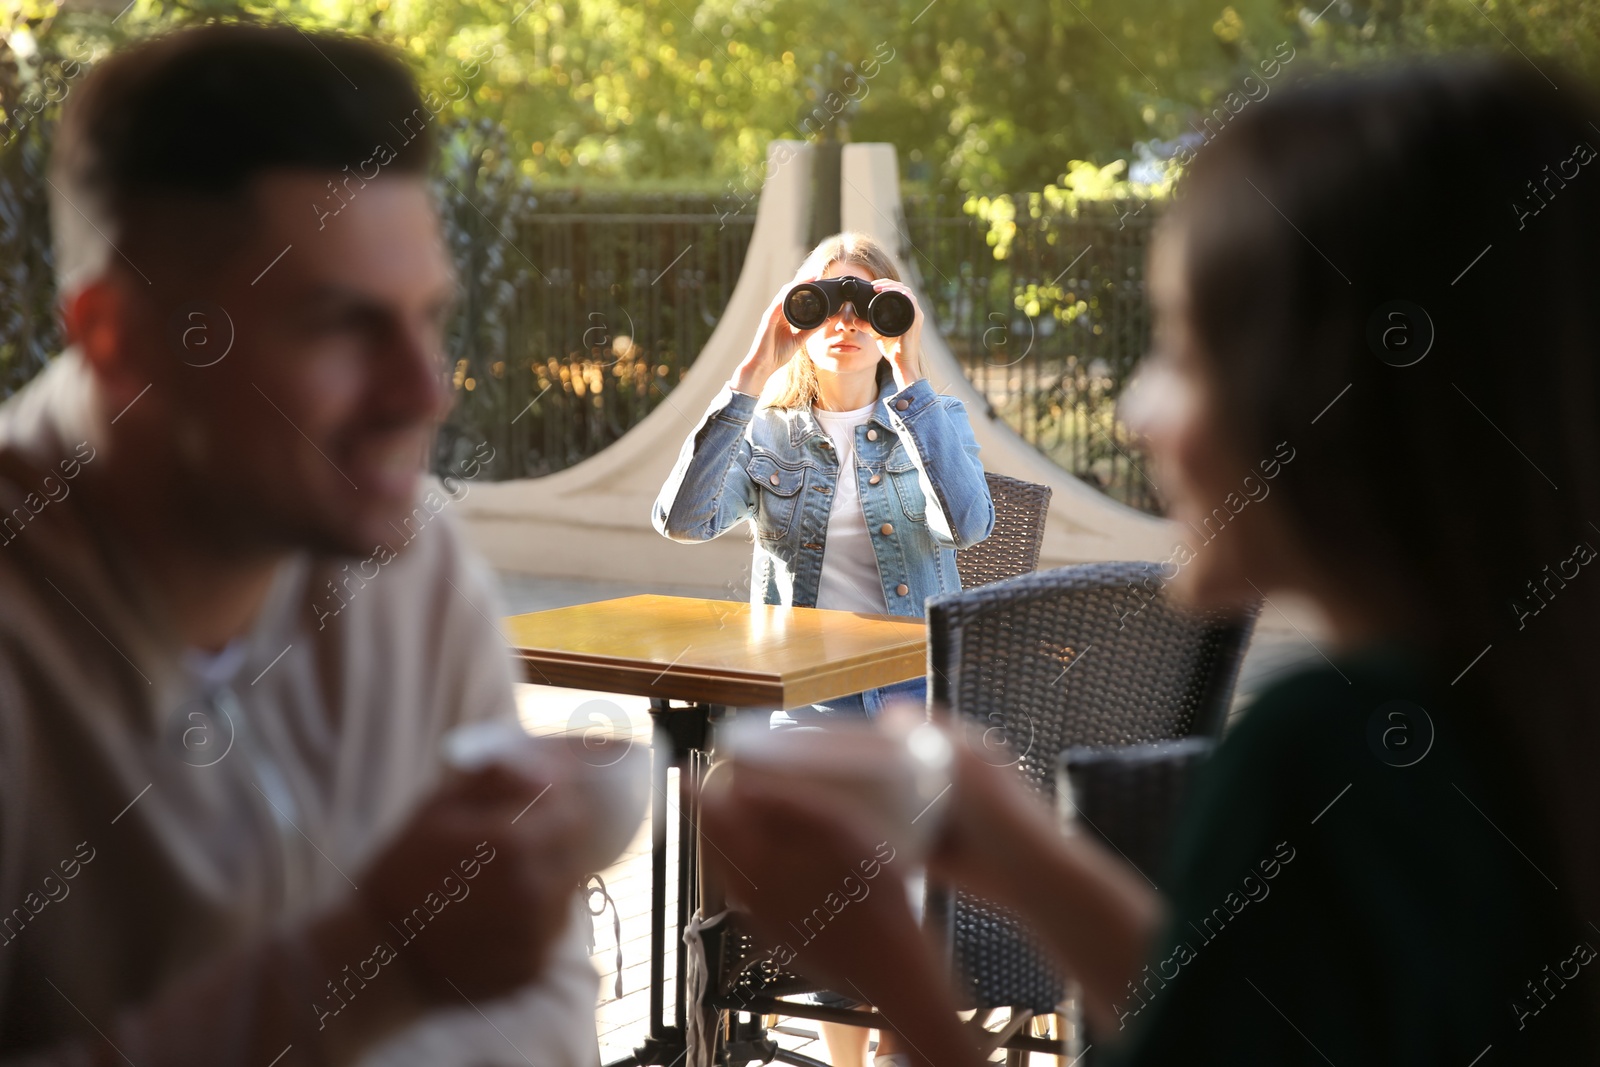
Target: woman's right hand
<point x="774" y="344"/>
<point x="1092" y="909"/>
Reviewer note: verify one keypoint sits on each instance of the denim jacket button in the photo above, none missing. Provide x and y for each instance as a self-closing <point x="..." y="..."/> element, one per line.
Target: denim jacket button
<point x="872" y="435"/>
<point x="886" y="529"/>
<point x="902" y="589"/>
<point x="901" y="405"/>
<point x="774" y="479"/>
<point x="875" y="479"/>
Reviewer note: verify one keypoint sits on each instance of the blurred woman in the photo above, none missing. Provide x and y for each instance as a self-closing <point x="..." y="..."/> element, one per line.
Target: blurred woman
<point x="1392" y="857"/>
<point x="860" y="480"/>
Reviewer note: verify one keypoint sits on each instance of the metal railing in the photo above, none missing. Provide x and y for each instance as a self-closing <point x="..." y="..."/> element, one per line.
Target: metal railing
<point x="581" y="312"/>
<point x="1050" y="334"/>
<point x="578" y="319"/>
<point x="30" y="330"/>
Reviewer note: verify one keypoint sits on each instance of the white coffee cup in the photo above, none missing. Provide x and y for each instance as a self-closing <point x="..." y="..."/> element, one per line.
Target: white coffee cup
<point x="894" y="775"/>
<point x="610" y="777"/>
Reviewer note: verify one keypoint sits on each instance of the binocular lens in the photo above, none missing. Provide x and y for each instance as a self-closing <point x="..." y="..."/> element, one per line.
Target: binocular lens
<point x="891" y="314"/>
<point x="806" y="308"/>
<point x="810" y="304"/>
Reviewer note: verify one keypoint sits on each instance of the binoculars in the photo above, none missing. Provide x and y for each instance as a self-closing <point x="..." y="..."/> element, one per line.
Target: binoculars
<point x="810" y="304"/>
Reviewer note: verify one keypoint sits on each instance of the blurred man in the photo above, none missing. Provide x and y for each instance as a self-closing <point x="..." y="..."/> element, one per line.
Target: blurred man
<point x="234" y="624"/>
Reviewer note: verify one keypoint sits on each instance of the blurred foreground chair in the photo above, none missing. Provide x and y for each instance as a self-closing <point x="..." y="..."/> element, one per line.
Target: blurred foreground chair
<point x="1087" y="655"/>
<point x="1129" y="797"/>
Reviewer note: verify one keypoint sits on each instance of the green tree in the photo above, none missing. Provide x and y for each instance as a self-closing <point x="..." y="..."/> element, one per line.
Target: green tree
<point x="979" y="97"/>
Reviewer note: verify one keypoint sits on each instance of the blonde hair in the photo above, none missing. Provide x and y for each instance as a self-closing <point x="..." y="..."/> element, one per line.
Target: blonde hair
<point x="795" y="383"/>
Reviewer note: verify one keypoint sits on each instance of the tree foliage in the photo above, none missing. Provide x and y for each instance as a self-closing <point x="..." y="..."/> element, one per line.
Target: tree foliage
<point x="979" y="97"/>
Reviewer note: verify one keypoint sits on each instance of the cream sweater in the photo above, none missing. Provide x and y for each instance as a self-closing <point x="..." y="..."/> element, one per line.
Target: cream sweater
<point x="148" y="838"/>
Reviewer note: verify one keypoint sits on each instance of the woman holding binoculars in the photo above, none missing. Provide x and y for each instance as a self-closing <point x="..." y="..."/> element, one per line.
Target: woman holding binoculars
<point x="860" y="479"/>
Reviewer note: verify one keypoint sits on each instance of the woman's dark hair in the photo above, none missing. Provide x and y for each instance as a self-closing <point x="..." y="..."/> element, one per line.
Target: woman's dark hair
<point x="1332" y="233"/>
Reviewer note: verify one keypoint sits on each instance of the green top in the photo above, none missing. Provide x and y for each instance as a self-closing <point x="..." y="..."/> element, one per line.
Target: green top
<point x="1356" y="881"/>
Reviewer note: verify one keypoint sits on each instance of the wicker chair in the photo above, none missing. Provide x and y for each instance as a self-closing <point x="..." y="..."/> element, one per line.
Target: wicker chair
<point x="1086" y="655"/>
<point x="1020" y="509"/>
<point x="738" y="978"/>
<point x="1130" y="798"/>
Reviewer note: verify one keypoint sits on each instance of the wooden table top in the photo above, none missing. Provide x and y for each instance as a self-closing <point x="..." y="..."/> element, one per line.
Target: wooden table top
<point x="717" y="651"/>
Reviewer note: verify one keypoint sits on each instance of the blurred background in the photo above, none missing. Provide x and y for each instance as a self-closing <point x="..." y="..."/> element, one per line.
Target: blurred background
<point x="588" y="141"/>
<point x="601" y="168"/>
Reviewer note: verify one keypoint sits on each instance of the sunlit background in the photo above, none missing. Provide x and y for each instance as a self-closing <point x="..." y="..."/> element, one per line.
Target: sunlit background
<point x="588" y="141"/>
<point x="601" y="168"/>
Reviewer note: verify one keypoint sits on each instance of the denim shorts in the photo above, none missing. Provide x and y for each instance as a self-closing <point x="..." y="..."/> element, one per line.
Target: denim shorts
<point x="867" y="705"/>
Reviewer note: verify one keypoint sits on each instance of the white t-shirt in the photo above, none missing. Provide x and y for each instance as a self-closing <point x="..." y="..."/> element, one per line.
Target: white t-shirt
<point x="850" y="579"/>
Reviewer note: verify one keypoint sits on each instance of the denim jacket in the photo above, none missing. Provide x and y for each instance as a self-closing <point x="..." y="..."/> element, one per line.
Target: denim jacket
<point x="922" y="491"/>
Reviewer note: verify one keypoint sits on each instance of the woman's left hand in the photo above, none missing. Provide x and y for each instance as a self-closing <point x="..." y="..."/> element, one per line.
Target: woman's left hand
<point x="904" y="353"/>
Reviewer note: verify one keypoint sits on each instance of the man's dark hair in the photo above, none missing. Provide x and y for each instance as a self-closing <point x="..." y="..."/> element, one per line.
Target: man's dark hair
<point x="195" y="115"/>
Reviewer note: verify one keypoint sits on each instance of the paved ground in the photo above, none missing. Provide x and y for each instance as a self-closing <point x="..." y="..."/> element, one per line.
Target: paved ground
<point x="622" y="1021"/>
